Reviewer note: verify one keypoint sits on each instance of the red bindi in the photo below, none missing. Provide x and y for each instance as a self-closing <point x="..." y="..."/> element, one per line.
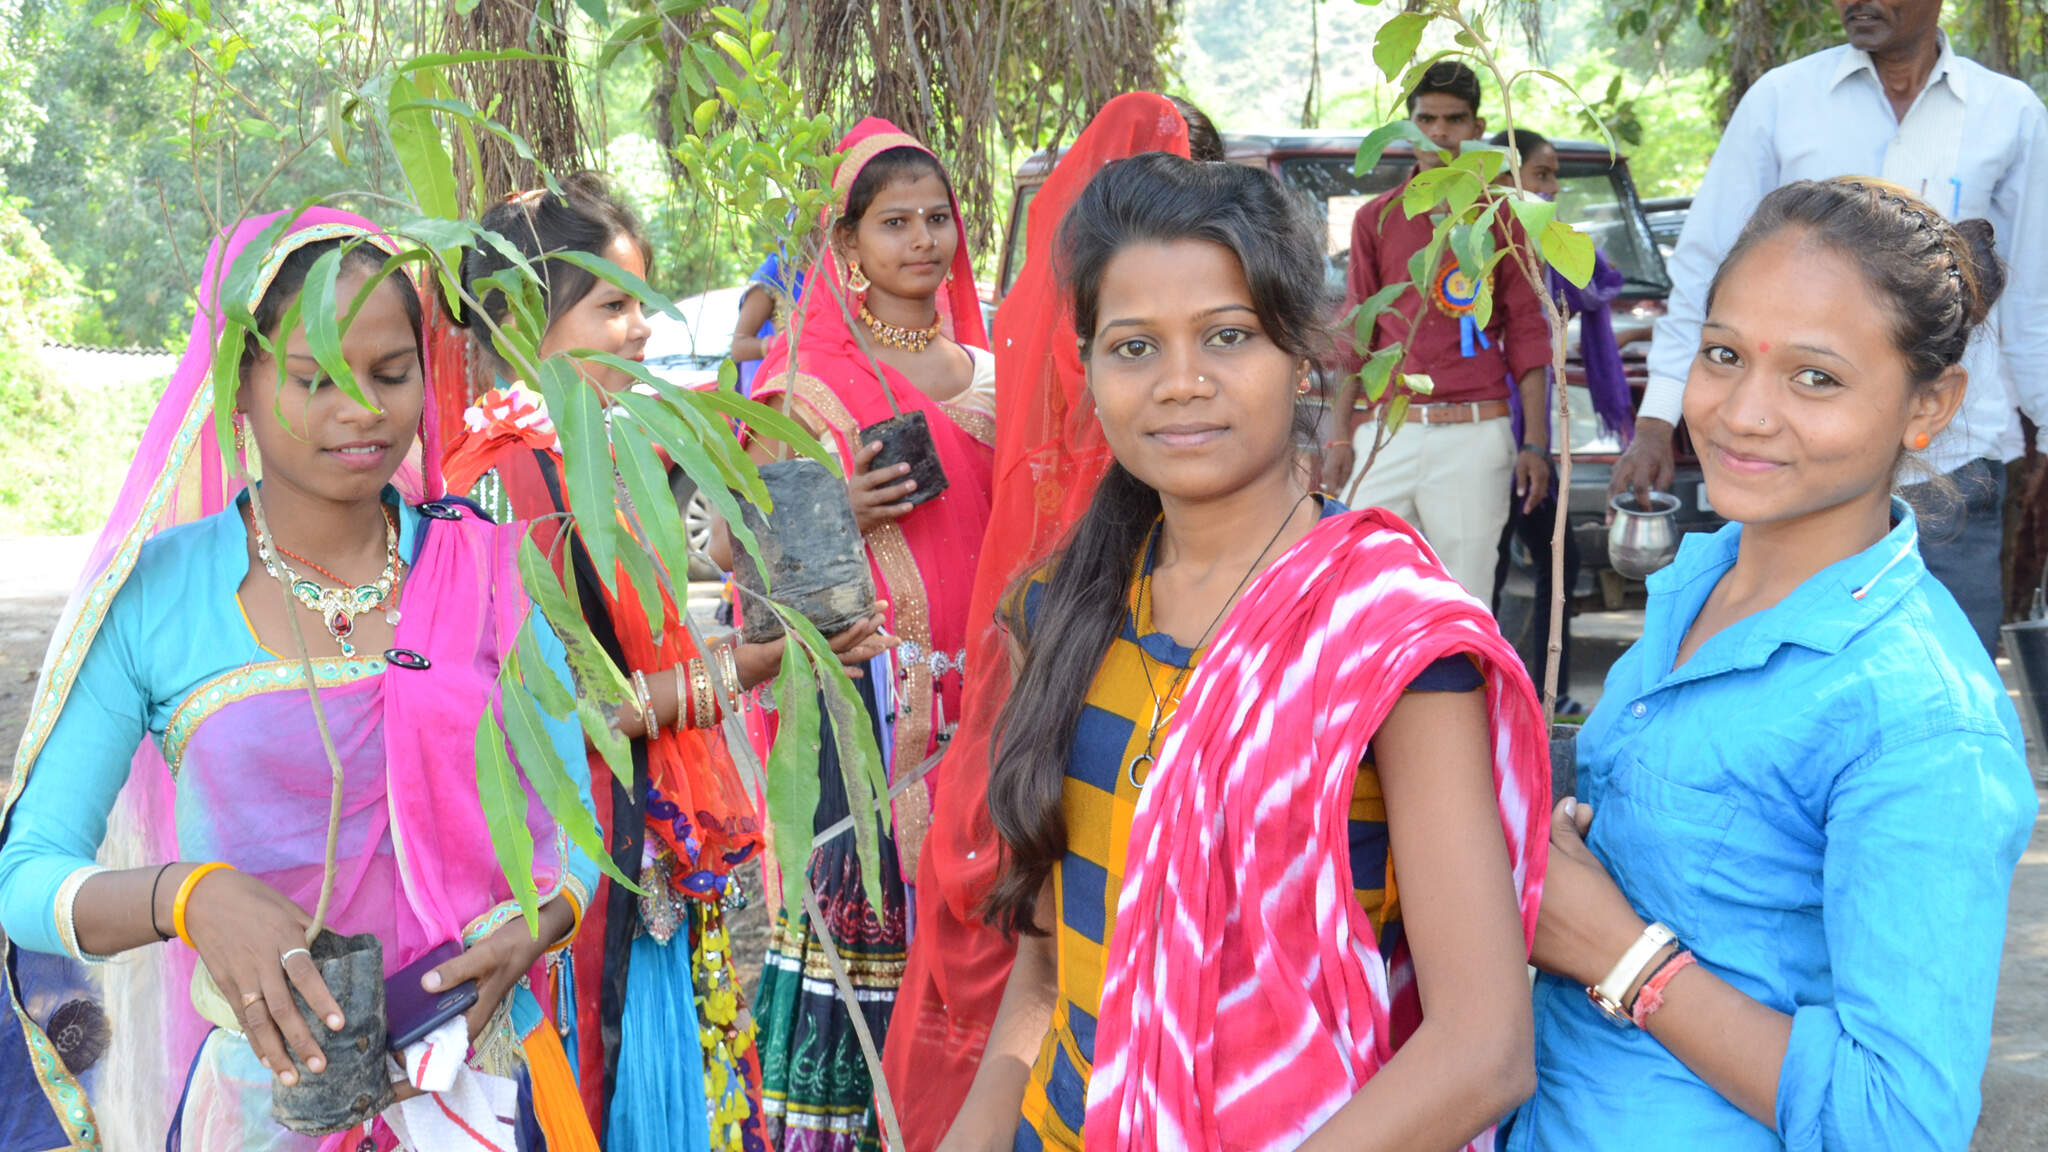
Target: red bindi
<point x="1765" y="345"/>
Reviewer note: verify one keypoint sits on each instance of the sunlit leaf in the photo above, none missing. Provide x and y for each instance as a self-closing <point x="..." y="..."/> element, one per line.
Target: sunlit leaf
<point x="1569" y="251"/>
<point x="504" y="809"/>
<point x="541" y="763"/>
<point x="416" y="142"/>
<point x="320" y="313"/>
<point x="1395" y="43"/>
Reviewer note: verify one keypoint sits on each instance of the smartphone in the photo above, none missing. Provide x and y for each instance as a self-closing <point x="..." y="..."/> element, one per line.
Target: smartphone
<point x="410" y="1011"/>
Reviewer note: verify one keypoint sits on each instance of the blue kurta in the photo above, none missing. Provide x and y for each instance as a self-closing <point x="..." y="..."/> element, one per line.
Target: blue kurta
<point x="1826" y="804"/>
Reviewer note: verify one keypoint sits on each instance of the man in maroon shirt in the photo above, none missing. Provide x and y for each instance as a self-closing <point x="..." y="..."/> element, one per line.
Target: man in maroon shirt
<point x="1451" y="467"/>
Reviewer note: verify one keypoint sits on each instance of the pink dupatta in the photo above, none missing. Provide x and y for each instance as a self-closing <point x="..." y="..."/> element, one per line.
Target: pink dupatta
<point x="1246" y="998"/>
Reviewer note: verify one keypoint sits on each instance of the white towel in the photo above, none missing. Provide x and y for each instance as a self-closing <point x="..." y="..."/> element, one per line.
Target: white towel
<point x="463" y="1110"/>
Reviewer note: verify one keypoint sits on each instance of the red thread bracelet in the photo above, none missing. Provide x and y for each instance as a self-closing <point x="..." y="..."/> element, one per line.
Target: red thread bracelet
<point x="1651" y="997"/>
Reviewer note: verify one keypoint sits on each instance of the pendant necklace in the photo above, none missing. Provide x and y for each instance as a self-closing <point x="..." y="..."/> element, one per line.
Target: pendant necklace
<point x="336" y="607"/>
<point x="1160" y="714"/>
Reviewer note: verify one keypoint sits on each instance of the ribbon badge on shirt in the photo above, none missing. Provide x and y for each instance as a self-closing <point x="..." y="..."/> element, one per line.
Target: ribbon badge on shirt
<point x="1457" y="294"/>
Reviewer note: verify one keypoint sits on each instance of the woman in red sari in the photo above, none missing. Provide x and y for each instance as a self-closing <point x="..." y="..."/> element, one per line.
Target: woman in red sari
<point x="890" y="323"/>
<point x="1050" y="455"/>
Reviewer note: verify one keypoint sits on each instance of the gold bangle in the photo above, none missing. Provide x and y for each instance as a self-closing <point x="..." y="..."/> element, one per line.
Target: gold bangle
<point x="729" y="667"/>
<point x="706" y="706"/>
<point x="686" y="710"/>
<point x="184" y="897"/>
<point x="646" y="700"/>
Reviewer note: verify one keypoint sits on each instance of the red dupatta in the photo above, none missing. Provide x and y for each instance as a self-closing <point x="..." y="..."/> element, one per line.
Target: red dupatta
<point x="1050" y="455"/>
<point x="923" y="564"/>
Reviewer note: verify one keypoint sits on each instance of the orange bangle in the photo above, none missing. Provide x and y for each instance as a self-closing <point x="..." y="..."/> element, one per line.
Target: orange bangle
<point x="185" y="895"/>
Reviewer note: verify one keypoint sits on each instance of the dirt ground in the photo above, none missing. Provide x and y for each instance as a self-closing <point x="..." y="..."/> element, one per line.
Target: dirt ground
<point x="38" y="572"/>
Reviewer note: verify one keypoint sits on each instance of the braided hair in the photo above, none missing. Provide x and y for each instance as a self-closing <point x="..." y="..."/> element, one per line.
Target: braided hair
<point x="1940" y="279"/>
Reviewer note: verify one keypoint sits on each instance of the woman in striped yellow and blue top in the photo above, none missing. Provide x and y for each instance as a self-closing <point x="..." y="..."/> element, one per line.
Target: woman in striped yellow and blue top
<point x="1236" y="703"/>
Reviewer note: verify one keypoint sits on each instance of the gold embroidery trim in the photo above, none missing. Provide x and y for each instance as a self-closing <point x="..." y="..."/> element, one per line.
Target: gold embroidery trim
<point x="979" y="425"/>
<point x="248" y="681"/>
<point x="857" y="158"/>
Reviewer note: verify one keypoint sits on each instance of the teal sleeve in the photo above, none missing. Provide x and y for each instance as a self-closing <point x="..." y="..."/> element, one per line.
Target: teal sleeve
<point x="57" y="823"/>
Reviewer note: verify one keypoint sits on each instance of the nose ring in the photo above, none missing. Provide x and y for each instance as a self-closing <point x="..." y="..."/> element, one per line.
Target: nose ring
<point x="1201" y="379"/>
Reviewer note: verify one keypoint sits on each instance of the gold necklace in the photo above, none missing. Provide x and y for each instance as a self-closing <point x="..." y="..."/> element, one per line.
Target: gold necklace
<point x="336" y="607"/>
<point x="1160" y="715"/>
<point x="911" y="339"/>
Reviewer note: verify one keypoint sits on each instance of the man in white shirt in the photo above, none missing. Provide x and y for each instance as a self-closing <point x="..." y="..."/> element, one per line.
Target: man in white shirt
<point x="1897" y="103"/>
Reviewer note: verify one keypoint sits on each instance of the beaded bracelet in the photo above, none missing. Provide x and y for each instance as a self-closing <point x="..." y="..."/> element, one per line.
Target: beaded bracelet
<point x="184" y="896"/>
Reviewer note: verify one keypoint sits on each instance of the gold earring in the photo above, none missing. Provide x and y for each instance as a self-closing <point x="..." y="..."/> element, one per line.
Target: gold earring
<point x="241" y="433"/>
<point x="855" y="278"/>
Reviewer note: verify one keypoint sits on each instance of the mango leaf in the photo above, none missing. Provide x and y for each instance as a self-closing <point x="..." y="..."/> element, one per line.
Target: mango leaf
<point x="237" y="278"/>
<point x="1569" y="251"/>
<point x="860" y="761"/>
<point x="661" y="524"/>
<point x="1375" y="144"/>
<point x="768" y="423"/>
<point x="1395" y="43"/>
<point x="601" y="690"/>
<point x="640" y="572"/>
<point x="715" y="457"/>
<point x="614" y="275"/>
<point x="416" y="142"/>
<point x="320" y="312"/>
<point x="793" y="772"/>
<point x="586" y="462"/>
<point x="547" y="690"/>
<point x="504" y="806"/>
<point x="655" y="419"/>
<point x="541" y="763"/>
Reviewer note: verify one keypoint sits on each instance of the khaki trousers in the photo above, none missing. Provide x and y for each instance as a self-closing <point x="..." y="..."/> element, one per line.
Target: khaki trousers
<point x="1453" y="482"/>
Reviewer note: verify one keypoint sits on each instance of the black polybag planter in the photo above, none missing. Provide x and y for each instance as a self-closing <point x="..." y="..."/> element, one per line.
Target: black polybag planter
<point x="813" y="550"/>
<point x="356" y="1084"/>
<point x="907" y="439"/>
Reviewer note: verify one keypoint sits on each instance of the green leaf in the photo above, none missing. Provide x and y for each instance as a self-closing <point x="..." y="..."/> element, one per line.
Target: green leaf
<point x="766" y="422"/>
<point x="337" y="126"/>
<point x="661" y="523"/>
<point x="1425" y="191"/>
<point x="596" y="10"/>
<point x="1397" y="411"/>
<point x="1486" y="161"/>
<point x="1569" y="251"/>
<point x="1367" y="314"/>
<point x="1379" y="369"/>
<point x="601" y="690"/>
<point x="618" y="277"/>
<point x="550" y="693"/>
<point x="859" y="759"/>
<point x="1533" y="214"/>
<point x="1375" y="144"/>
<point x="504" y="807"/>
<point x="473" y="56"/>
<point x="321" y="314"/>
<point x="586" y="462"/>
<point x="416" y="141"/>
<point x="1396" y="41"/>
<point x="639" y="568"/>
<point x="658" y="420"/>
<point x="541" y="763"/>
<point x="793" y="772"/>
<point x="1461" y="191"/>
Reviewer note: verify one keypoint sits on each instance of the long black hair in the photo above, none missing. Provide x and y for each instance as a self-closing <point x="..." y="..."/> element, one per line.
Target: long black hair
<point x="583" y="217"/>
<point x="1066" y="626"/>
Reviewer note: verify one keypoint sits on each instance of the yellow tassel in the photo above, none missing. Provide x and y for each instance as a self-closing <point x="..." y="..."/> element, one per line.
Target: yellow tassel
<point x="555" y="1101"/>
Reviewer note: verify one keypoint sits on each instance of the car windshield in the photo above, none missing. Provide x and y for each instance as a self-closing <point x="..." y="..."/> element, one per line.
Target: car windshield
<point x="1595" y="197"/>
<point x="704" y="335"/>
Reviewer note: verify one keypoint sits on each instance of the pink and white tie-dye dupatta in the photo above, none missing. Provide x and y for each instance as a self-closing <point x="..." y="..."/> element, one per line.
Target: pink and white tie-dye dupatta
<point x="1246" y="998"/>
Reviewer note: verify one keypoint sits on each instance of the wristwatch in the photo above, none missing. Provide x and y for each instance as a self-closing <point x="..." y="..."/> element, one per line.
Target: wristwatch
<point x="1607" y="994"/>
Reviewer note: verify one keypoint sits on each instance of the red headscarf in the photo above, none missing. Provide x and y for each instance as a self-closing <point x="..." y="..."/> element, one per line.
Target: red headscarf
<point x="1050" y="455"/>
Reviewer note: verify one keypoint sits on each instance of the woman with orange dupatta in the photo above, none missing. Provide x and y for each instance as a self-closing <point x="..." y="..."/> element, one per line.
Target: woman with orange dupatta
<point x="1050" y="455"/>
<point x="652" y="975"/>
<point x="893" y="293"/>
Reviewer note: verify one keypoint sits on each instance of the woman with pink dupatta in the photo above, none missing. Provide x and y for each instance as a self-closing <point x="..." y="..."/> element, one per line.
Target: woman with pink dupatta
<point x="894" y="291"/>
<point x="1238" y="706"/>
<point x="173" y="738"/>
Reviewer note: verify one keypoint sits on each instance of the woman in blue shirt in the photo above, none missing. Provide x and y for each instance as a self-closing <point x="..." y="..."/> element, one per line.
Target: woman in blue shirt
<point x="1803" y="794"/>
